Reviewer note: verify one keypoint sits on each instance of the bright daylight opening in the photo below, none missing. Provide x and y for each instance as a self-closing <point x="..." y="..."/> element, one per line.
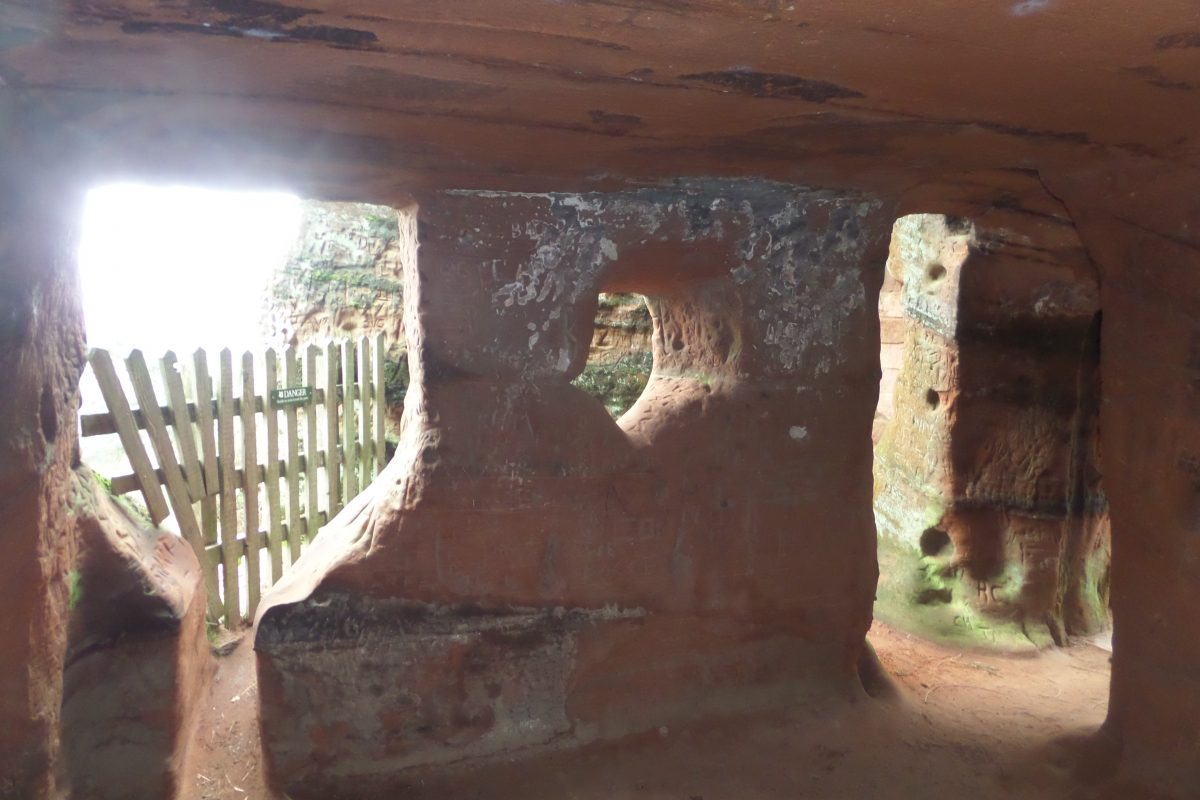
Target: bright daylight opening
<point x="180" y="267"/>
<point x="245" y="347"/>
<point x="174" y="268"/>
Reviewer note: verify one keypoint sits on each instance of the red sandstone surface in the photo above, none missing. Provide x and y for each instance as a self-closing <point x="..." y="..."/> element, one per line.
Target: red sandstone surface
<point x="529" y="572"/>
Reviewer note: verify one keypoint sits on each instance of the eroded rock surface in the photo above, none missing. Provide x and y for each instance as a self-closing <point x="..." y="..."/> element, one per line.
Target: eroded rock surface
<point x="589" y="579"/>
<point x="1140" y="222"/>
<point x="41" y="356"/>
<point x="948" y="103"/>
<point x="137" y="660"/>
<point x="993" y="525"/>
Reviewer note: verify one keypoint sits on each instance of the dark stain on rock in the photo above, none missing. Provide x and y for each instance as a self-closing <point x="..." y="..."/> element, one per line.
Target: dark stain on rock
<point x="347" y="38"/>
<point x="342" y="38"/>
<point x="1154" y="77"/>
<point x="775" y="85"/>
<point x="614" y="123"/>
<point x="337" y="616"/>
<point x="143" y="26"/>
<point x="1178" y="41"/>
<point x="255" y="19"/>
<point x="16" y="317"/>
<point x="1189" y="464"/>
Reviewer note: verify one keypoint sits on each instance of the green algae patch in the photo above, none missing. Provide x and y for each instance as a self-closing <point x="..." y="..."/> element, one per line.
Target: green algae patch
<point x="925" y="596"/>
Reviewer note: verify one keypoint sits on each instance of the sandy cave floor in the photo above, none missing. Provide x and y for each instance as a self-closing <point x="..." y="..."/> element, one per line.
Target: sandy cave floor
<point x="968" y="724"/>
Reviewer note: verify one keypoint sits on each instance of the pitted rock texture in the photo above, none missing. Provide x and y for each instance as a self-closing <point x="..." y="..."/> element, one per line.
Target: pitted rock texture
<point x="512" y="489"/>
<point x="993" y="526"/>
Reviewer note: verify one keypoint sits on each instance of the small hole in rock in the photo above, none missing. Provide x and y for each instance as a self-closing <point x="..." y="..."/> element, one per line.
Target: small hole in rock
<point x="677" y="344"/>
<point x="933" y="398"/>
<point x="934" y="541"/>
<point x="937" y="272"/>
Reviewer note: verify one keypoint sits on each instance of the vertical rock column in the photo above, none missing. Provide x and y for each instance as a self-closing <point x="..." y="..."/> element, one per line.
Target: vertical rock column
<point x="41" y="356"/>
<point x="992" y="522"/>
<point x="1141" y="222"/>
<point x="527" y="571"/>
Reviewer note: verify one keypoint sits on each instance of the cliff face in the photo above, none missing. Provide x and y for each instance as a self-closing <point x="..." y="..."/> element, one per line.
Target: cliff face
<point x="620" y="358"/>
<point x="993" y="526"/>
<point x="342" y="277"/>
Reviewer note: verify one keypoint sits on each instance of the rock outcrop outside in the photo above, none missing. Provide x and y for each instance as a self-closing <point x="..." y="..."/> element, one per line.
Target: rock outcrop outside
<point x="993" y="525"/>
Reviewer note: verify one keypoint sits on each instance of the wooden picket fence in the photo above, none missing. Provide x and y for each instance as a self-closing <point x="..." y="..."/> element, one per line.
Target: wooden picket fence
<point x="330" y="446"/>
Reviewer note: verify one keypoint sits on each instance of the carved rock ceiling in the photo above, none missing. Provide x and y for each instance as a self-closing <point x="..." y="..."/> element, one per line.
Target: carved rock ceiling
<point x="369" y="98"/>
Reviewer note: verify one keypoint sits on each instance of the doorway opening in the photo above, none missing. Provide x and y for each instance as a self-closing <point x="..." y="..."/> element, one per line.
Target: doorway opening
<point x="993" y="534"/>
<point x="243" y="357"/>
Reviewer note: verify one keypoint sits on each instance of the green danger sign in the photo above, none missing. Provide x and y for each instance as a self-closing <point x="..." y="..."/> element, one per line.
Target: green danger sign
<point x="295" y="396"/>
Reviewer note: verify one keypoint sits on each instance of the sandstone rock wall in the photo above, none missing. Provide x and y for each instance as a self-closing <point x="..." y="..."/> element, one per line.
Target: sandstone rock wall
<point x="528" y="571"/>
<point x="988" y="496"/>
<point x="341" y="278"/>
<point x="1139" y="220"/>
<point x="137" y="661"/>
<point x="41" y="356"/>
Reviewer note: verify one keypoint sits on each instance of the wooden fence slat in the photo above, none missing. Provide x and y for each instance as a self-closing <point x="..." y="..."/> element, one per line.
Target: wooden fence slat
<point x="202" y="396"/>
<point x="275" y="513"/>
<point x="177" y="490"/>
<point x="333" y="477"/>
<point x="185" y="434"/>
<point x="204" y="418"/>
<point x="381" y="406"/>
<point x="349" y="428"/>
<point x="366" y="448"/>
<point x="310" y="443"/>
<point x="250" y="483"/>
<point x="131" y="440"/>
<point x="229" y="537"/>
<point x="292" y="379"/>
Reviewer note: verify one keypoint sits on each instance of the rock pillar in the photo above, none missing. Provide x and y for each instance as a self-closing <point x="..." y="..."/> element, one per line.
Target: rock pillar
<point x="41" y="356"/>
<point x="527" y="572"/>
<point x="1140" y="220"/>
<point x="993" y="525"/>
